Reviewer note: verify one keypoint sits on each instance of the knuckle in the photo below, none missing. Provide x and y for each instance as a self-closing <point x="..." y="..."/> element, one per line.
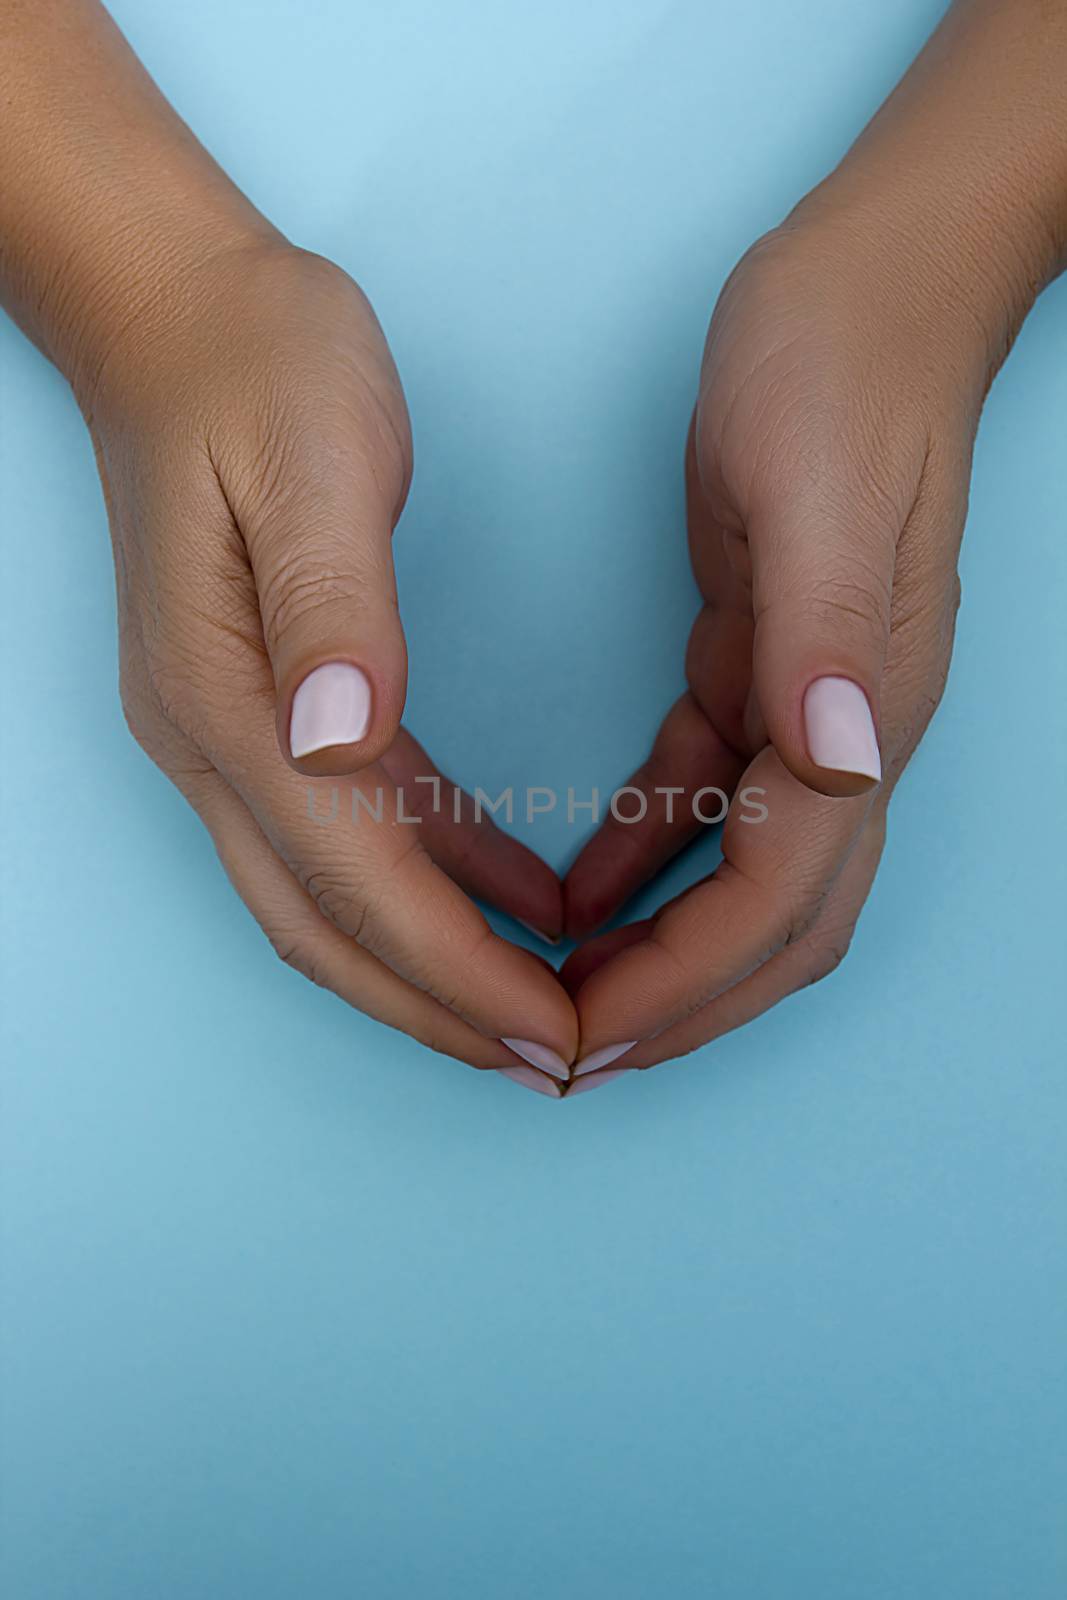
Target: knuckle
<point x="915" y="724"/>
<point x="295" y="592"/>
<point x="171" y="686"/>
<point x="295" y="950"/>
<point x="337" y="902"/>
<point x="955" y="598"/>
<point x="288" y="947"/>
<point x="858" y="600"/>
<point x="920" y="692"/>
<point x="806" y="915"/>
<point x="183" y="761"/>
<point x="142" y="720"/>
<point x="938" y="683"/>
<point x="432" y="1036"/>
<point x="825" y="958"/>
<point x="329" y="424"/>
<point x="158" y="733"/>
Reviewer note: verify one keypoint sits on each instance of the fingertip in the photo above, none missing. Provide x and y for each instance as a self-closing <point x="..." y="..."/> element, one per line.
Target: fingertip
<point x="545" y="1015"/>
<point x="530" y="1078"/>
<point x="539" y="1056"/>
<point x="587" y="900"/>
<point x="539" y="933"/>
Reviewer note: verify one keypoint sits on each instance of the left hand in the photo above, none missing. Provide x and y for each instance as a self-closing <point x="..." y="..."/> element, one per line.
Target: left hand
<point x="827" y="469"/>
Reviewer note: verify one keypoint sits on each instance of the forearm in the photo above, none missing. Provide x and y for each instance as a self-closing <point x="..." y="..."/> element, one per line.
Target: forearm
<point x="967" y="159"/>
<point x="107" y="201"/>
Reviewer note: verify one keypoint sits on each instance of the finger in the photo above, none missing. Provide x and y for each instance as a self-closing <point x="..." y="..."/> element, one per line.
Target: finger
<point x="458" y="831"/>
<point x="684" y="785"/>
<point x="301" y="936"/>
<point x="702" y="748"/>
<point x="359" y="853"/>
<point x="703" y="744"/>
<point x="820" y="528"/>
<point x="317" y="517"/>
<point x="313" y="946"/>
<point x="368" y="871"/>
<point x="595" y="953"/>
<point x="718" y="662"/>
<point x="351" y="846"/>
<point x="806" y="858"/>
<point x="808" y="960"/>
<point x="773" y="878"/>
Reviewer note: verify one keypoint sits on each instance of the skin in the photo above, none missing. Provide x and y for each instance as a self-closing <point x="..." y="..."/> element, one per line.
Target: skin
<point x="255" y="453"/>
<point x="827" y="470"/>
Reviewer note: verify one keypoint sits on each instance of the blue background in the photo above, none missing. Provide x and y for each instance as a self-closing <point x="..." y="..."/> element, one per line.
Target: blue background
<point x="292" y="1307"/>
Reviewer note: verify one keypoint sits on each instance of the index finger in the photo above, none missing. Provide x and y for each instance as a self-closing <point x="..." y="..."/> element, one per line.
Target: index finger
<point x="774" y="876"/>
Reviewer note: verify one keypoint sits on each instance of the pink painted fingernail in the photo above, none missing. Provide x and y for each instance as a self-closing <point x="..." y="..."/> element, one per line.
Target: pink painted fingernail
<point x="600" y="1058"/>
<point x="580" y="1085"/>
<point x="331" y="706"/>
<point x="538" y="933"/>
<point x="531" y="1080"/>
<point x="840" y="728"/>
<point x="539" y="1055"/>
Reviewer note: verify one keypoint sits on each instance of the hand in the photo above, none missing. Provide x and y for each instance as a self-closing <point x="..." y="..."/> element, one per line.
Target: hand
<point x="254" y="448"/>
<point x="255" y="455"/>
<point x="827" y="469"/>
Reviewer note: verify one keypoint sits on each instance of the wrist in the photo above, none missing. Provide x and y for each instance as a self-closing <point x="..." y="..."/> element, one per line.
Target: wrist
<point x="944" y="274"/>
<point x="108" y="204"/>
<point x="115" y="309"/>
<point x="958" y="186"/>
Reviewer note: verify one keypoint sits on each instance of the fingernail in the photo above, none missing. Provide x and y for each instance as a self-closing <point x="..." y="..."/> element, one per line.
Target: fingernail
<point x="580" y="1085"/>
<point x="539" y="1055"/>
<point x="600" y="1058"/>
<point x="538" y="933"/>
<point x="331" y="706"/>
<point x="531" y="1080"/>
<point x="840" y="728"/>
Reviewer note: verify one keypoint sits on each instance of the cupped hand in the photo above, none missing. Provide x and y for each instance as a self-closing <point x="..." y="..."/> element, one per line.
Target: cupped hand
<point x="826" y="469"/>
<point x="254" y="448"/>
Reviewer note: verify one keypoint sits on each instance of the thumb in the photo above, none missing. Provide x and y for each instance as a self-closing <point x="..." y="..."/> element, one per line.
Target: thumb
<point x="822" y="556"/>
<point x="320" y="545"/>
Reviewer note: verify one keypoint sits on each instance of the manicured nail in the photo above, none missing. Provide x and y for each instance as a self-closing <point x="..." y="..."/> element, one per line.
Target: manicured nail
<point x="538" y="933"/>
<point x="331" y="706"/>
<point x="600" y="1058"/>
<point x="840" y="728"/>
<point x="539" y="1055"/>
<point x="580" y="1085"/>
<point x="531" y="1080"/>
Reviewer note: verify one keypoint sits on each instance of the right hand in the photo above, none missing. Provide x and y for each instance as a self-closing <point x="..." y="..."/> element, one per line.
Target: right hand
<point x="255" y="453"/>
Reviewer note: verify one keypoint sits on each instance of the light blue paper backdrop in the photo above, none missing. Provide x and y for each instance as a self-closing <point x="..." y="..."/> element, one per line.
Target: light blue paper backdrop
<point x="291" y="1307"/>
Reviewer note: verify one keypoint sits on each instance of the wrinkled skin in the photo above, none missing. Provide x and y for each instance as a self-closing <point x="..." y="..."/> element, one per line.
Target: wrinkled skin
<point x="255" y="453"/>
<point x="255" y="457"/>
<point x="826" y="470"/>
